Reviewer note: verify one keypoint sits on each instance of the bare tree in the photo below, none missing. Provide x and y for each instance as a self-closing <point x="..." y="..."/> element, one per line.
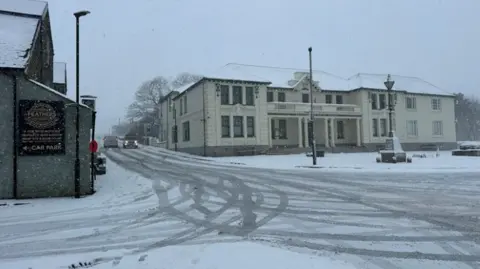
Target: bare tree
<point x="184" y="79"/>
<point x="467" y="114"/>
<point x="148" y="97"/>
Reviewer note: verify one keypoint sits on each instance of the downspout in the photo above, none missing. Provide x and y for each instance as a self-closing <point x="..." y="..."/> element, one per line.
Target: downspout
<point x="204" y="122"/>
<point x="167" y="126"/>
<point x="15" y="136"/>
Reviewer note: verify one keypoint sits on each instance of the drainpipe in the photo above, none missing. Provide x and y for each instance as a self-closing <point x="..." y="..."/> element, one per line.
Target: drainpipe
<point x="15" y="133"/>
<point x="204" y="122"/>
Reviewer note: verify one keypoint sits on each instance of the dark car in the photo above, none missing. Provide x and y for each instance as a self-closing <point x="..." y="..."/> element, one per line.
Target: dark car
<point x="110" y="141"/>
<point x="130" y="143"/>
<point x="100" y="164"/>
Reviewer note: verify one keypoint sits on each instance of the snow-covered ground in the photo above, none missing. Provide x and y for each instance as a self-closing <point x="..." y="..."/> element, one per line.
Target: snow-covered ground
<point x="174" y="210"/>
<point x="362" y="162"/>
<point x="236" y="255"/>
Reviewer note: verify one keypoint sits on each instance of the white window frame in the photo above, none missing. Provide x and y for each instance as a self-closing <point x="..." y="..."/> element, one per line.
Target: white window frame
<point x="412" y="128"/>
<point x="436" y="104"/>
<point x="375" y="125"/>
<point x="383" y="127"/>
<point x="437" y="128"/>
<point x="413" y="101"/>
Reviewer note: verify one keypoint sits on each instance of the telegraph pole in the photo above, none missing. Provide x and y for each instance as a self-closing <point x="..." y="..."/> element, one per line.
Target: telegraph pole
<point x="312" y="118"/>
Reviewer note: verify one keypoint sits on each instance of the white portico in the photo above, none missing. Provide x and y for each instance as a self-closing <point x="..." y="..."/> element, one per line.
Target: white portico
<point x="288" y="124"/>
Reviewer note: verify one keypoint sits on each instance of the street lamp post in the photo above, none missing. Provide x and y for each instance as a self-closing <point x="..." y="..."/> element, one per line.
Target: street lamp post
<point x="312" y="119"/>
<point x="77" y="95"/>
<point x="389" y="85"/>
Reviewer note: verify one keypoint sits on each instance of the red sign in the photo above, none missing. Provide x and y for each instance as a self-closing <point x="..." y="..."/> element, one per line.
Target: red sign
<point x="93" y="146"/>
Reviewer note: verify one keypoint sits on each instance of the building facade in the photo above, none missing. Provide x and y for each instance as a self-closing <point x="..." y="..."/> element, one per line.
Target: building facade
<point x="256" y="109"/>
<point x="38" y="142"/>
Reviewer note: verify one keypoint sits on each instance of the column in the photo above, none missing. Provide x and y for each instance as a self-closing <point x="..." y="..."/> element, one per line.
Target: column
<point x="307" y="134"/>
<point x="332" y="132"/>
<point x="327" y="145"/>
<point x="231" y="126"/>
<point x="244" y="126"/>
<point x="269" y="120"/>
<point x="359" y="141"/>
<point x="300" y="142"/>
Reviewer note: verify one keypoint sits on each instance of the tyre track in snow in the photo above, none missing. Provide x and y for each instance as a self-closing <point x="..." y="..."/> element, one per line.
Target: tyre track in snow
<point x="339" y="188"/>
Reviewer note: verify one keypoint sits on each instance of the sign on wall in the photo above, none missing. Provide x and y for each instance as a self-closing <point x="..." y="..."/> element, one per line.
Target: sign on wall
<point x="89" y="102"/>
<point x="42" y="127"/>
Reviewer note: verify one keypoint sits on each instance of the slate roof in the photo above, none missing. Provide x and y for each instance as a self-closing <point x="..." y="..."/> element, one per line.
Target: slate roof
<point x="19" y="20"/>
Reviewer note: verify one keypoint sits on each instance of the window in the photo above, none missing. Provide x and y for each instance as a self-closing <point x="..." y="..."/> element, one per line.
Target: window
<point x="328" y="99"/>
<point x="340" y="130"/>
<point x="237" y="126"/>
<point x="375" y="127"/>
<point x="373" y="99"/>
<point x="410" y="102"/>
<point x="181" y="107"/>
<point x="282" y="129"/>
<point x="383" y="101"/>
<point x="250" y="126"/>
<point x="383" y="127"/>
<point x="273" y="129"/>
<point x="281" y="97"/>
<point x="249" y="96"/>
<point x="186" y="131"/>
<point x="185" y="104"/>
<point x="437" y="128"/>
<point x="305" y="98"/>
<point x="225" y="126"/>
<point x="412" y="128"/>
<point x="339" y="99"/>
<point x="224" y="94"/>
<point x="237" y="95"/>
<point x="269" y="96"/>
<point x="436" y="104"/>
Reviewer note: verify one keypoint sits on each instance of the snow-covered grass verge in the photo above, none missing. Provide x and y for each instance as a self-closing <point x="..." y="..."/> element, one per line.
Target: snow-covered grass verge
<point x="362" y="162"/>
<point x="239" y="255"/>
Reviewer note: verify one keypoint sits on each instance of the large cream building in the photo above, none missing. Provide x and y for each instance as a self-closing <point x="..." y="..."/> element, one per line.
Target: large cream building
<point x="245" y="109"/>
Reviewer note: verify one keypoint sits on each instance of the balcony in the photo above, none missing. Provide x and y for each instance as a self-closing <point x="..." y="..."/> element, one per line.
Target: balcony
<point x="303" y="109"/>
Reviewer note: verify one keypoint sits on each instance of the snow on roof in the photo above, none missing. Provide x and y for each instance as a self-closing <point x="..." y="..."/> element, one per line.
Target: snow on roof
<point x="402" y="83"/>
<point x="28" y="7"/>
<point x="184" y="87"/>
<point x="16" y="38"/>
<point x="55" y="92"/>
<point x="59" y="72"/>
<point x="280" y="76"/>
<point x="236" y="72"/>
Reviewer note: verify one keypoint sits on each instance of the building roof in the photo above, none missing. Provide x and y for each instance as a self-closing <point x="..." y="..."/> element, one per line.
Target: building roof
<point x="59" y="72"/>
<point x="236" y="72"/>
<point x="56" y="93"/>
<point x="285" y="77"/>
<point x="184" y="87"/>
<point x="402" y="83"/>
<point x="16" y="38"/>
<point x="26" y="7"/>
<point x="282" y="77"/>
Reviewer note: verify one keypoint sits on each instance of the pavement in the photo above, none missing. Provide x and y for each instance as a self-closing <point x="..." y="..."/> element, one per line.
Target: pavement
<point x="373" y="220"/>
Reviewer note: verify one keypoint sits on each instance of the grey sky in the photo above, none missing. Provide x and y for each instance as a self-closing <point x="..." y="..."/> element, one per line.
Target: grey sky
<point x="127" y="42"/>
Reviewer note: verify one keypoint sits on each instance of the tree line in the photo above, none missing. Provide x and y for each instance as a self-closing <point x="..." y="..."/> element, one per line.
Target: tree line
<point x="144" y="109"/>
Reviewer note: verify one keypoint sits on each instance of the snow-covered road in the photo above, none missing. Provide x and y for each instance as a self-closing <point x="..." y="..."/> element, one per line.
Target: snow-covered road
<point x="372" y="220"/>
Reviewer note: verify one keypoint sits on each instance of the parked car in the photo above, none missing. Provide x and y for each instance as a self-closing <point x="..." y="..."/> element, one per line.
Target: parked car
<point x="130" y="143"/>
<point x="100" y="164"/>
<point x="110" y="141"/>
